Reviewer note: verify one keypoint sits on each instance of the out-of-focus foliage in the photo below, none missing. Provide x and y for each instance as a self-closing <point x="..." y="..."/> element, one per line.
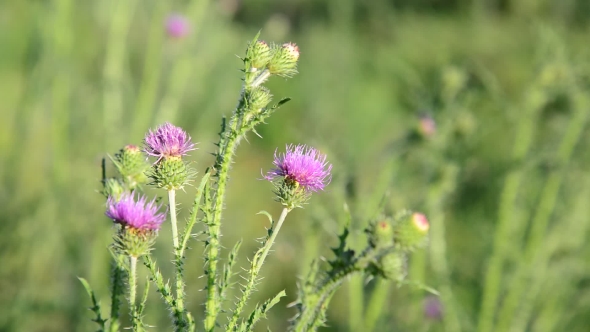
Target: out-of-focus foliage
<point x="503" y="179"/>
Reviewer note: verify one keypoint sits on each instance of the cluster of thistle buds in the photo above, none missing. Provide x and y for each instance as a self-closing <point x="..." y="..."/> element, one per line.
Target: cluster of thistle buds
<point x="137" y="218"/>
<point x="402" y="234"/>
<point x="280" y="60"/>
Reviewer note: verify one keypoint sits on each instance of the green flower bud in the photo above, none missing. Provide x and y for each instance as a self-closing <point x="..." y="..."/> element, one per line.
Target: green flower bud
<point x="132" y="165"/>
<point x="258" y="98"/>
<point x="381" y="233"/>
<point x="290" y="193"/>
<point x="171" y="173"/>
<point x="259" y="55"/>
<point x="113" y="188"/>
<point x="134" y="242"/>
<point x="410" y="231"/>
<point x="393" y="266"/>
<point x="284" y="60"/>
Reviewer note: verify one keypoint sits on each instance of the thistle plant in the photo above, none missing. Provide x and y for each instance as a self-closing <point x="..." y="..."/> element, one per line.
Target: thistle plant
<point x="298" y="172"/>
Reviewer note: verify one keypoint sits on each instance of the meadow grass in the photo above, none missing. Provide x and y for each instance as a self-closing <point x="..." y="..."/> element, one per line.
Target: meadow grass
<point x="504" y="179"/>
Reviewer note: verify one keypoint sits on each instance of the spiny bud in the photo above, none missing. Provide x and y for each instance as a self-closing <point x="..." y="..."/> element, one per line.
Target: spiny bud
<point x="393" y="266"/>
<point x="411" y="231"/>
<point x="259" y="54"/>
<point x="284" y="60"/>
<point x="132" y="165"/>
<point x="169" y="144"/>
<point x="381" y="233"/>
<point x="113" y="188"/>
<point x="171" y="174"/>
<point x="134" y="242"/>
<point x="258" y="98"/>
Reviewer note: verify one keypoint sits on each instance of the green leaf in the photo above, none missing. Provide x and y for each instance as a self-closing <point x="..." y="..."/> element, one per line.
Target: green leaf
<point x="261" y="310"/>
<point x="268" y="215"/>
<point x="95" y="304"/>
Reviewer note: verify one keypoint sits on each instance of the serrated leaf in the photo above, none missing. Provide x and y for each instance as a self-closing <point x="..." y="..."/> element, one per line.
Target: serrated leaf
<point x="95" y="304"/>
<point x="261" y="310"/>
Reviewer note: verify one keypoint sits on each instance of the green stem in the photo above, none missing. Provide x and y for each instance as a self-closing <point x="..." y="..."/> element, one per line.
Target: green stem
<point x="376" y="303"/>
<point x="165" y="291"/>
<point x="117" y="289"/>
<point x="257" y="263"/>
<point x="172" y="203"/>
<point x="193" y="218"/>
<point x="211" y="305"/>
<point x="229" y="140"/>
<point x="275" y="232"/>
<point x="178" y="257"/>
<point x="135" y="319"/>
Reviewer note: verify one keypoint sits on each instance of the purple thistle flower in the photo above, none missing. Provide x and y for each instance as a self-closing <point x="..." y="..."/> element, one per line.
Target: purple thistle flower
<point x="303" y="165"/>
<point x="168" y="141"/>
<point x="433" y="308"/>
<point x="139" y="214"/>
<point x="177" y="26"/>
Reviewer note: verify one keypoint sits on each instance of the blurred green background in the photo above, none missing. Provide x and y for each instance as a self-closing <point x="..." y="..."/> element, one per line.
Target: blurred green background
<point x="504" y="178"/>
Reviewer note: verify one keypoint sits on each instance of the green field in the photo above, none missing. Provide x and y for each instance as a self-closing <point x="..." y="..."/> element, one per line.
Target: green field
<point x="504" y="180"/>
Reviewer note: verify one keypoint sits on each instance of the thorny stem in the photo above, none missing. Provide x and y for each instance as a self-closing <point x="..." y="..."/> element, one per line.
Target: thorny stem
<point x="257" y="263"/>
<point x="226" y="152"/>
<point x="268" y="245"/>
<point x="117" y="289"/>
<point x="178" y="258"/>
<point x="315" y="304"/>
<point x="213" y="246"/>
<point x="132" y="291"/>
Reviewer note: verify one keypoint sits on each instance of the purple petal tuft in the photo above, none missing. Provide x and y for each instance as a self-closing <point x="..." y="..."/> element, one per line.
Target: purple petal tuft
<point x="139" y="214"/>
<point x="304" y="165"/>
<point x="168" y="141"/>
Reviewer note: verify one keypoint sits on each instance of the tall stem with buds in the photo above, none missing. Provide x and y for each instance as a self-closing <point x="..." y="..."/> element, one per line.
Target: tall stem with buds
<point x="259" y="64"/>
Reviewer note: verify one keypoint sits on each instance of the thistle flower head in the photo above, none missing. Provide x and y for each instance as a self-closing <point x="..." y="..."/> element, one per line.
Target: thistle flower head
<point x="302" y="166"/>
<point x="433" y="308"/>
<point x="177" y="26"/>
<point x="299" y="172"/>
<point x="139" y="215"/>
<point x="168" y="141"/>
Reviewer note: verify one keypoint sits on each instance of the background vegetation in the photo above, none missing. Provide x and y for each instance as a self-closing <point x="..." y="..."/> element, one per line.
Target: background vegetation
<point x="504" y="180"/>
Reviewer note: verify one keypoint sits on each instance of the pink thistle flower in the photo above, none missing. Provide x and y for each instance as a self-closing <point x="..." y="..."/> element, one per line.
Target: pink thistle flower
<point x="168" y="141"/>
<point x="140" y="214"/>
<point x="177" y="26"/>
<point x="302" y="165"/>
